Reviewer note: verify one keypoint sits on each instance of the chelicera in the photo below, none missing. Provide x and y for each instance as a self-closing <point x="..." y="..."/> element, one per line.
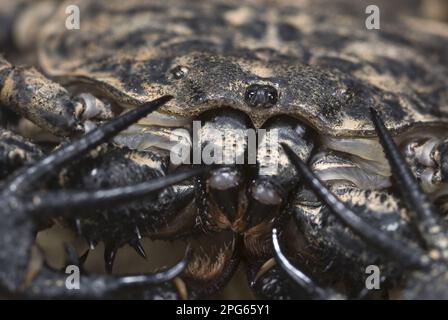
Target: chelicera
<point x="284" y="76"/>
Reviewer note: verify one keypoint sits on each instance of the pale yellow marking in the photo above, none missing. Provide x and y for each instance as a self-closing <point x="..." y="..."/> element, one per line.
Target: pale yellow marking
<point x="146" y="161"/>
<point x="271" y="37"/>
<point x="302" y="22"/>
<point x="239" y="16"/>
<point x="428" y="26"/>
<point x="352" y="124"/>
<point x="6" y="91"/>
<point x="262" y="71"/>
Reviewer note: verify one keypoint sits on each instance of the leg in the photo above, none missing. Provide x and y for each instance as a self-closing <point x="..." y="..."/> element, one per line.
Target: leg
<point x="428" y="222"/>
<point x="27" y="92"/>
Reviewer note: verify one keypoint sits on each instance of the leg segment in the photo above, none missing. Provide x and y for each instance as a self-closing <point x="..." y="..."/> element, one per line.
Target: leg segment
<point x="27" y="92"/>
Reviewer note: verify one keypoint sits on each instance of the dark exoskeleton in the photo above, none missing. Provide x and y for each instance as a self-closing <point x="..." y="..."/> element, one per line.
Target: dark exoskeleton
<point x="236" y="67"/>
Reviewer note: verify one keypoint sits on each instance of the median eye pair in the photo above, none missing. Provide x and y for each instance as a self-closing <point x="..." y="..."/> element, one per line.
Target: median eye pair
<point x="261" y="96"/>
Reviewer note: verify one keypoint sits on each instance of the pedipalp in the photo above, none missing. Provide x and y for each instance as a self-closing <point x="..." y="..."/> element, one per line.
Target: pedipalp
<point x="25" y="179"/>
<point x="394" y="248"/>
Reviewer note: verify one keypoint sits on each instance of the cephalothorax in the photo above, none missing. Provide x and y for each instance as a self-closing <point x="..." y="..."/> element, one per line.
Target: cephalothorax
<point x="310" y="74"/>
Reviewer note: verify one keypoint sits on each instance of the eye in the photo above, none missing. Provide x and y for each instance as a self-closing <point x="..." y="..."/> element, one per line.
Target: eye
<point x="179" y="72"/>
<point x="263" y="96"/>
<point x="272" y="96"/>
